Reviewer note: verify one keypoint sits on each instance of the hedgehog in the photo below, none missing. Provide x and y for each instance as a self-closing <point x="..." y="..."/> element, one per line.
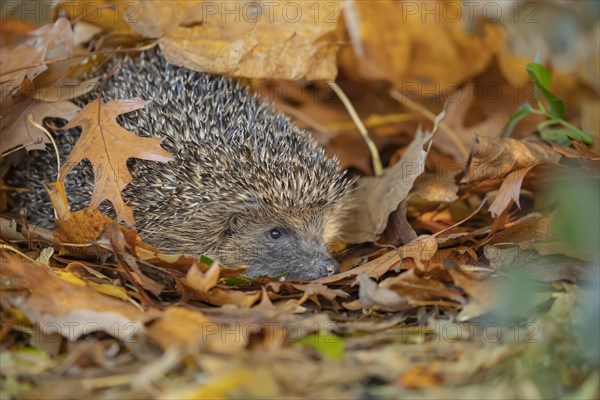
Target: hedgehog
<point x="246" y="187"/>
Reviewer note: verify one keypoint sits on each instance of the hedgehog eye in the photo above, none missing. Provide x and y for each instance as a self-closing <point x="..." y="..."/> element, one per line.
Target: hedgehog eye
<point x="275" y="233"/>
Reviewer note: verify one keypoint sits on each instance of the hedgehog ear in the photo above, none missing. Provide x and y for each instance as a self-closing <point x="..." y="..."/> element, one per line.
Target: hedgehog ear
<point x="232" y="224"/>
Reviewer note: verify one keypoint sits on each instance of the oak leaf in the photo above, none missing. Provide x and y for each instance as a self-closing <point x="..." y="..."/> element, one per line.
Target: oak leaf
<point x="108" y="146"/>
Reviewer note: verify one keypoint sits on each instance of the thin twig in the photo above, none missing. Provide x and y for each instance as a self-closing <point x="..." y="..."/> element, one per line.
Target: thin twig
<point x="41" y="128"/>
<point x="15" y="250"/>
<point x="483" y="202"/>
<point x="377" y="165"/>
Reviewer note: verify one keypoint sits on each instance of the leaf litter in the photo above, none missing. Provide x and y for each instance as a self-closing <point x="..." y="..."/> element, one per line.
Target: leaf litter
<point x="464" y="300"/>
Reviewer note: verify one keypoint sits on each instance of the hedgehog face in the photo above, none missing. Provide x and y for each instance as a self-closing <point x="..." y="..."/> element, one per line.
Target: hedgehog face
<point x="273" y="245"/>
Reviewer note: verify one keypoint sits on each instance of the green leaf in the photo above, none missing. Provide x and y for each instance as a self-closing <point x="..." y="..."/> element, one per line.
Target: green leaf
<point x="543" y="79"/>
<point x="524" y="110"/>
<point x="206" y="260"/>
<point x="540" y="75"/>
<point x="326" y="343"/>
<point x="561" y="135"/>
<point x="558" y="135"/>
<point x="557" y="106"/>
<point x="238" y="280"/>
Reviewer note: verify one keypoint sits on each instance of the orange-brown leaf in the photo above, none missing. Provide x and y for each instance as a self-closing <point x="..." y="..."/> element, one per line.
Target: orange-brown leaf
<point x="108" y="146"/>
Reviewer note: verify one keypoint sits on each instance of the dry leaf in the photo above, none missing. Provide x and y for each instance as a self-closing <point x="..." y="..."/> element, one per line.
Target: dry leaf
<point x="79" y="227"/>
<point x="202" y="282"/>
<point x="19" y="57"/>
<point x="44" y="40"/>
<point x="436" y="188"/>
<point x="483" y="295"/>
<point x="123" y="245"/>
<point x="181" y="327"/>
<point x="204" y="286"/>
<point x="423" y="248"/>
<point x="108" y="146"/>
<point x="64" y="308"/>
<point x="420" y="377"/>
<point x="312" y="291"/>
<point x="494" y="158"/>
<point x="50" y="36"/>
<point x="262" y="39"/>
<point x="65" y="90"/>
<point x="420" y="291"/>
<point x="509" y="191"/>
<point x="399" y="42"/>
<point x="8" y="229"/>
<point x="545" y="268"/>
<point x="17" y="132"/>
<point x="375" y="297"/>
<point x="456" y="113"/>
<point x="377" y="197"/>
<point x="374" y="269"/>
<point x="219" y="297"/>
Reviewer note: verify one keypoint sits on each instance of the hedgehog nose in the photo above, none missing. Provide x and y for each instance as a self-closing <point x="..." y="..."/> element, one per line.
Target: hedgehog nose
<point x="329" y="267"/>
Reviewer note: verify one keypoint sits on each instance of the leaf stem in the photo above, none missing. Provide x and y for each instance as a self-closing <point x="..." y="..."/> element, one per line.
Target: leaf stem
<point x="377" y="165"/>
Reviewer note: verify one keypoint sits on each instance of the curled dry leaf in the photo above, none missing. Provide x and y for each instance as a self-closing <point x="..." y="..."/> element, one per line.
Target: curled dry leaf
<point x="312" y="291"/>
<point x="123" y="244"/>
<point x="420" y="291"/>
<point x="483" y="294"/>
<point x="423" y="248"/>
<point x="34" y="51"/>
<point x="67" y="309"/>
<point x="509" y="191"/>
<point x="377" y="197"/>
<point x="85" y="226"/>
<point x="435" y="188"/>
<point x="374" y="268"/>
<point x="263" y="43"/>
<point x="202" y="282"/>
<point x="375" y="297"/>
<point x="108" y="146"/>
<point x="17" y="132"/>
<point x="494" y="158"/>
<point x="204" y="286"/>
<point x="79" y="227"/>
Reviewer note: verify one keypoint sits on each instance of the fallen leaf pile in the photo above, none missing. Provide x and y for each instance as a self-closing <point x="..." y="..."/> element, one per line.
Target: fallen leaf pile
<point x="469" y="267"/>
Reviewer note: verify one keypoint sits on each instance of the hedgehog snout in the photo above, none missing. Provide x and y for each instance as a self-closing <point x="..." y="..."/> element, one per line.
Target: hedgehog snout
<point x="328" y="267"/>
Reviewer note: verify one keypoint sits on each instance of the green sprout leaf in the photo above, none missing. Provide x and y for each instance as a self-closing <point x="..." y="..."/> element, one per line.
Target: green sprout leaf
<point x="326" y="343"/>
<point x="543" y="79"/>
<point x="238" y="280"/>
<point x="206" y="260"/>
<point x="540" y="75"/>
<point x="562" y="135"/>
